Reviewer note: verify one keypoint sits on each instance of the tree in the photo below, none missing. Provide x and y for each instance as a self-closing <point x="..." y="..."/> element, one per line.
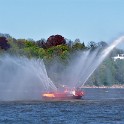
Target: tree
<point x="4" y="43"/>
<point x="78" y="46"/>
<point x="5" y="35"/>
<point x="77" y="41"/>
<point x="55" y="40"/>
<point x="14" y="49"/>
<point x="102" y="44"/>
<point x="92" y="45"/>
<point x="69" y="43"/>
<point x="21" y="43"/>
<point x="60" y="51"/>
<point x="41" y="43"/>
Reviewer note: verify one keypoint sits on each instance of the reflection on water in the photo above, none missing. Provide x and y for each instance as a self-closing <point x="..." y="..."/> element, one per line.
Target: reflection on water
<point x="99" y="106"/>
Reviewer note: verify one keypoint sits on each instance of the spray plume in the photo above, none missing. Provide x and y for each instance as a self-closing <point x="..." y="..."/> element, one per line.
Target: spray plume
<point x="23" y="78"/>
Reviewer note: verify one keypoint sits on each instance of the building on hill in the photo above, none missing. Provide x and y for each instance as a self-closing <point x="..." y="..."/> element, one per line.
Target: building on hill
<point x="119" y="56"/>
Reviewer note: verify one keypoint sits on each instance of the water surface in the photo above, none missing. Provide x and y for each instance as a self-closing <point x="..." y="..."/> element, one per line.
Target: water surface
<point x="99" y="106"/>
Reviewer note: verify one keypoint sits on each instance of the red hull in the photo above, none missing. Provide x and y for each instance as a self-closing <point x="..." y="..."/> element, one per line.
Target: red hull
<point x="62" y="95"/>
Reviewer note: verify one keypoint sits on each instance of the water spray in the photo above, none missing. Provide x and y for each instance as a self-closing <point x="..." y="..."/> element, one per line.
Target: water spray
<point x="100" y="59"/>
<point x="22" y="78"/>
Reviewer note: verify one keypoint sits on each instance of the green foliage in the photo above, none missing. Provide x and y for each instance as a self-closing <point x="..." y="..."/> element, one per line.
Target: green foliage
<point x="14" y="49"/>
<point x="41" y="53"/>
<point x="119" y="73"/>
<point x="78" y="46"/>
<point x="109" y="72"/>
<point x="60" y="51"/>
<point x="64" y="55"/>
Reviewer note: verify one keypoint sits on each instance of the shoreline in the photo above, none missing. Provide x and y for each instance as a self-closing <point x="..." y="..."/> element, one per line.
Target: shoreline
<point x="113" y="86"/>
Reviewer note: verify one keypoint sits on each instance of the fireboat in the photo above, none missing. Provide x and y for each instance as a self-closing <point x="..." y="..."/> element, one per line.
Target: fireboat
<point x="75" y="93"/>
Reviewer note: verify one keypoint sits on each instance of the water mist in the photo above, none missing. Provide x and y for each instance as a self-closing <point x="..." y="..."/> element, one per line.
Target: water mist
<point x="25" y="79"/>
<point x="22" y="78"/>
<point x="93" y="66"/>
<point x="83" y="65"/>
<point x="89" y="65"/>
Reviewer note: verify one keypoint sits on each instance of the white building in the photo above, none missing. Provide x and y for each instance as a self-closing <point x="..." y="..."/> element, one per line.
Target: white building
<point x="119" y="56"/>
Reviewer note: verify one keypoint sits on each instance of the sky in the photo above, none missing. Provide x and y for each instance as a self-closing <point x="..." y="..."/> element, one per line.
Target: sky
<point x="88" y="20"/>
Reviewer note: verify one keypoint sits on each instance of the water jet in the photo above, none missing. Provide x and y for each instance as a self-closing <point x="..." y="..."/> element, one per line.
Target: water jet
<point x="22" y="78"/>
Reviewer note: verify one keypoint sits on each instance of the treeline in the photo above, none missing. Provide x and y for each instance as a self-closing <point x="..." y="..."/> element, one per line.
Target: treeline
<point x="57" y="47"/>
<point x="54" y="46"/>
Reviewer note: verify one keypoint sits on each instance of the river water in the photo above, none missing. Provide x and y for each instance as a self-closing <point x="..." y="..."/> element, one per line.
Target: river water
<point x="99" y="106"/>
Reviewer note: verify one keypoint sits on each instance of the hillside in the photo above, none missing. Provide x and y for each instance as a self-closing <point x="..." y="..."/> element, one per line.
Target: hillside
<point x="59" y="52"/>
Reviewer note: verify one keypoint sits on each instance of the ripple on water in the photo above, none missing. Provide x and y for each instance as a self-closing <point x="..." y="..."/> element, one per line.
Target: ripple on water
<point x="88" y="111"/>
